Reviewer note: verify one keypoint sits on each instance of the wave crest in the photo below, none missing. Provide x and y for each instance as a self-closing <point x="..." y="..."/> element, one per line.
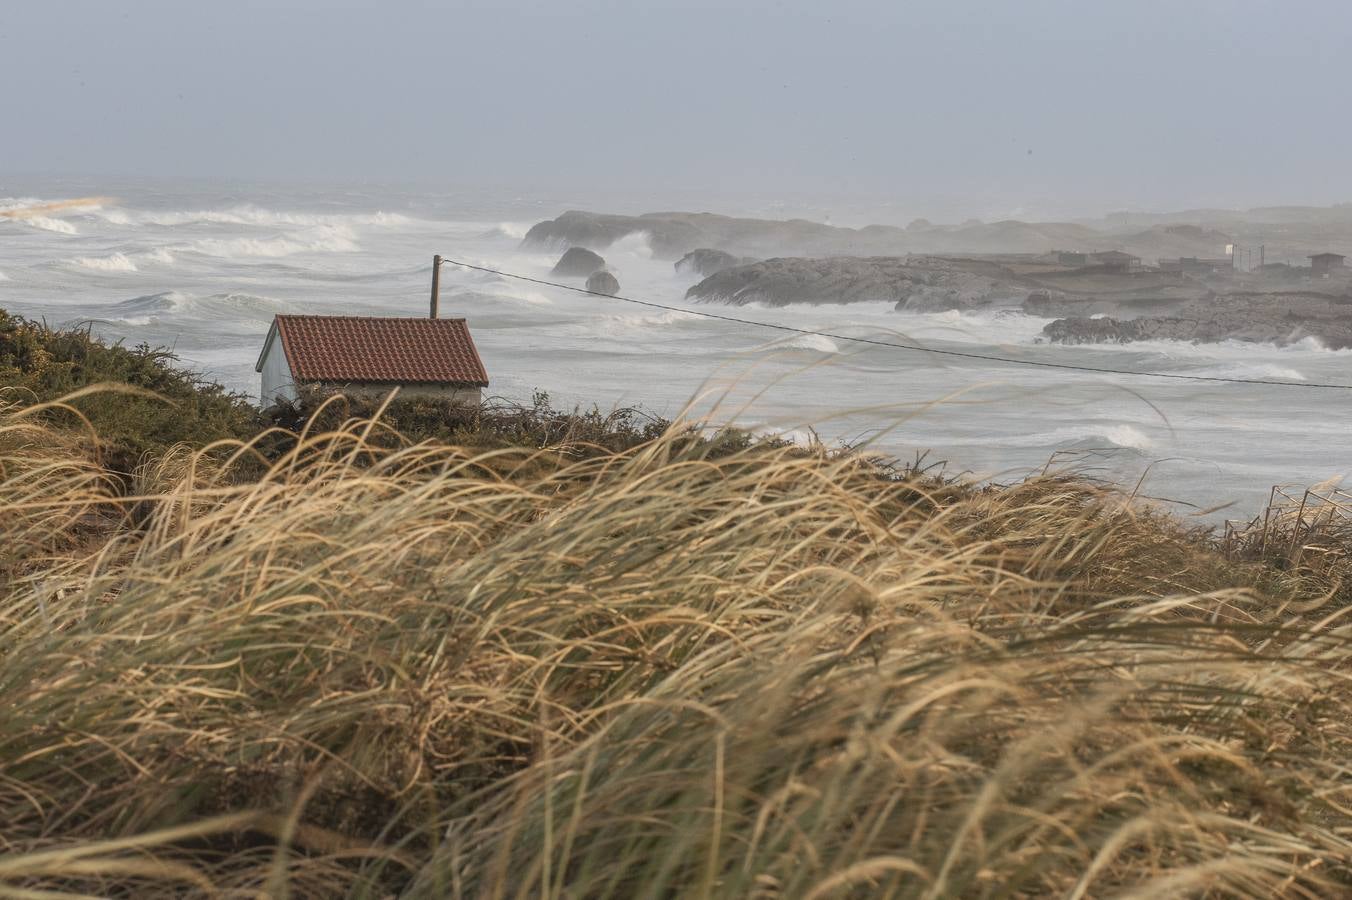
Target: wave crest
<point x="121" y="262"/>
<point x="257" y="215"/>
<point x="116" y="262"/>
<point x="227" y="307"/>
<point x="323" y="239"/>
<point x="1088" y="436"/>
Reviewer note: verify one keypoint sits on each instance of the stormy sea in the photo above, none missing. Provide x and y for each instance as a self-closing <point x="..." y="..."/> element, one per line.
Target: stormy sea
<point x="201" y="268"/>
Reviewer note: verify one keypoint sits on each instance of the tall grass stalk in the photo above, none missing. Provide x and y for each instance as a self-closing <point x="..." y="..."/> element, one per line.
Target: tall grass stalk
<point x="374" y="668"/>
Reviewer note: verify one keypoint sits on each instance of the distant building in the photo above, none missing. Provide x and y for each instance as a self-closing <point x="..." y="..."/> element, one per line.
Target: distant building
<point x="1194" y="265"/>
<point x="1116" y="261"/>
<point x="1071" y="258"/>
<point x="369" y="356"/>
<point x="1324" y="263"/>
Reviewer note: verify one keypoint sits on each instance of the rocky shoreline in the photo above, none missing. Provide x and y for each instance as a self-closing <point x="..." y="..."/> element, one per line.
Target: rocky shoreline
<point x="1265" y="318"/>
<point x="918" y="284"/>
<point x="820" y="264"/>
<point x="674" y="234"/>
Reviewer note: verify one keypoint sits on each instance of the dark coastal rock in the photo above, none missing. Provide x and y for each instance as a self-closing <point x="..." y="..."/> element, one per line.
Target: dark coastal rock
<point x="705" y="262"/>
<point x="674" y="234"/>
<point x="1091" y="330"/>
<point x="912" y="283"/>
<point x="578" y="262"/>
<point x="603" y="283"/>
<point x="1049" y="304"/>
<point x="669" y="237"/>
<point x="1259" y="318"/>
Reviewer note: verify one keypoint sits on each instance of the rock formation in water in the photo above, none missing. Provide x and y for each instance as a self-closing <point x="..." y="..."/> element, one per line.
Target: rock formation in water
<point x="578" y="262"/>
<point x="674" y="234"/>
<point x="916" y="284"/>
<point x="669" y="237"/>
<point x="603" y="283"/>
<point x="705" y="262"/>
<point x="1265" y="318"/>
<point x="1146" y="299"/>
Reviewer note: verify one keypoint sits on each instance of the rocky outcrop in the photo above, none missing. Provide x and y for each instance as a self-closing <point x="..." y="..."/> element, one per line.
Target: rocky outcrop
<point x="1050" y="303"/>
<point x="670" y="237"/>
<point x="674" y="234"/>
<point x="1092" y="330"/>
<point x="921" y="284"/>
<point x="1261" y="318"/>
<point x="603" y="283"/>
<point x="705" y="262"/>
<point x="578" y="262"/>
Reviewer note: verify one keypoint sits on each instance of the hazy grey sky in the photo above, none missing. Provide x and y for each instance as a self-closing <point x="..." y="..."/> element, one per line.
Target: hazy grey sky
<point x="1043" y="104"/>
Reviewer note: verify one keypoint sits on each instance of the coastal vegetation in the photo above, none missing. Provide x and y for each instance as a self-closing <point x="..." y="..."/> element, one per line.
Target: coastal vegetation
<point x="403" y="649"/>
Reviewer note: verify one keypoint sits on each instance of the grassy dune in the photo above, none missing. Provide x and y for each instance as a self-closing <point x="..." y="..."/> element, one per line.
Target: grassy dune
<point x="584" y="658"/>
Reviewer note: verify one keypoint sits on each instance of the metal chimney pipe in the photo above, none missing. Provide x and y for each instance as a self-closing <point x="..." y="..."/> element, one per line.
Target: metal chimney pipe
<point x="436" y="285"/>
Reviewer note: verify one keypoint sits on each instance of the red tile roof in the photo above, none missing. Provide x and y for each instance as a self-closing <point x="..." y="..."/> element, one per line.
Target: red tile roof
<point x="381" y="349"/>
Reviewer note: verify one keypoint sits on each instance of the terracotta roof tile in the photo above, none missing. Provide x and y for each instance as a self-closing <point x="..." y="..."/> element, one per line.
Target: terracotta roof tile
<point x="382" y="349"/>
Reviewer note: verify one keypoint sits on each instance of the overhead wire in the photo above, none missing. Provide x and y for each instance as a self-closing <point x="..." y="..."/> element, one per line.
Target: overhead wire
<point x="897" y="345"/>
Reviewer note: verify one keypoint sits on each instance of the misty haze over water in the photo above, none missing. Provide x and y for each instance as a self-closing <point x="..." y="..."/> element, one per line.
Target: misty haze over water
<point x="202" y="268"/>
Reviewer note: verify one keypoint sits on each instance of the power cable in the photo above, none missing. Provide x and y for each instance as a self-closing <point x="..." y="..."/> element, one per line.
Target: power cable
<point x="900" y="346"/>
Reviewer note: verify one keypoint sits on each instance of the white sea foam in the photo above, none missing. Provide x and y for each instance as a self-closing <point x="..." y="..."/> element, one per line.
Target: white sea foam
<point x="122" y="262"/>
<point x="46" y="223"/>
<point x="511" y="230"/>
<point x="165" y="301"/>
<point x="532" y="298"/>
<point x="1315" y="345"/>
<point x="116" y="262"/>
<point x="321" y="239"/>
<point x="1250" y="370"/>
<point x="9" y="204"/>
<point x="176" y="305"/>
<point x="235" y="306"/>
<point x="1091" y="434"/>
<point x="638" y="245"/>
<point x="159" y="255"/>
<point x="986" y="326"/>
<point x="267" y="218"/>
<point x="816" y="342"/>
<point x="670" y="317"/>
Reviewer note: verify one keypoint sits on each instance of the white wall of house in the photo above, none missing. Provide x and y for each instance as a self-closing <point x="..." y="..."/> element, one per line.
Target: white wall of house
<point x="468" y="396"/>
<point x="277" y="381"/>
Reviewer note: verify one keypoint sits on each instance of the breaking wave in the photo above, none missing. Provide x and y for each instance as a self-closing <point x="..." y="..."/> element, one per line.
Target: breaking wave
<point x="613" y="323"/>
<point x="232" y="307"/>
<point x="511" y="230"/>
<point x="1086" y="436"/>
<point x="1250" y="370"/>
<point x="321" y="239"/>
<point x="45" y="223"/>
<point x="121" y="262"/>
<point x="637" y="244"/>
<point x="255" y="215"/>
<point x="113" y="216"/>
<point x="815" y="342"/>
<point x="117" y="262"/>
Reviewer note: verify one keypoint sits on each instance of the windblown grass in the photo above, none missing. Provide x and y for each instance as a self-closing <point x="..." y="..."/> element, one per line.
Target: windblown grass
<point x="679" y="668"/>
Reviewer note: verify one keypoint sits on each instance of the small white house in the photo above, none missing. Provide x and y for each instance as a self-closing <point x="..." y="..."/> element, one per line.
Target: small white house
<point x="370" y="355"/>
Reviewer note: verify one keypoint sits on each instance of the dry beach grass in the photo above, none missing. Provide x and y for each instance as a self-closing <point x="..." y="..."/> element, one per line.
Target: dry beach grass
<point x="369" y="667"/>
